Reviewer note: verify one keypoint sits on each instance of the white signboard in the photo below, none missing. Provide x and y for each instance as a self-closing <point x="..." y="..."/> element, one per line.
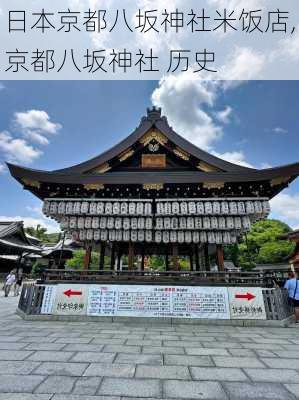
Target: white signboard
<point x="48" y="299"/>
<point x="246" y="303"/>
<point x="158" y="301"/>
<point x="71" y="299"/>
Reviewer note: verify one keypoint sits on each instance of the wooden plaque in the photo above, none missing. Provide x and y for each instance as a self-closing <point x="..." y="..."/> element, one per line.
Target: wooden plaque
<point x="153" y="161"/>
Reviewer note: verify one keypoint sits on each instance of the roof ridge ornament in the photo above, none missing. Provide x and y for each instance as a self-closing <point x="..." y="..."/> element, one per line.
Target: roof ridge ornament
<point x="154" y="113"/>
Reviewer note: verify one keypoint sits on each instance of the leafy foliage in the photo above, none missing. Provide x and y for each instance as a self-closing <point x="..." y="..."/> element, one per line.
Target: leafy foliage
<point x="41" y="233"/>
<point x="37" y="270"/>
<point x="77" y="262"/>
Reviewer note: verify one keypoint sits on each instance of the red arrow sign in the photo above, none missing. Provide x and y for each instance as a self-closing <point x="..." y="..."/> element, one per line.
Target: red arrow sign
<point x="71" y="292"/>
<point x="247" y="296"/>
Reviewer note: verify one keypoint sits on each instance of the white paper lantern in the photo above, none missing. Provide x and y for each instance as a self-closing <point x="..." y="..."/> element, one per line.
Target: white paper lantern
<point x="88" y="222"/>
<point x="103" y="222"/>
<point x="64" y="224"/>
<point x="184" y="208"/>
<point x="82" y="235"/>
<point x="140" y="236"/>
<point x="53" y="208"/>
<point x="81" y="223"/>
<point x="238" y="223"/>
<point x="230" y="223"/>
<point x="110" y="223"/>
<point x="195" y="237"/>
<point x="224" y="207"/>
<point x="73" y="223"/>
<point x="183" y="223"/>
<point x="226" y="237"/>
<point x="124" y="208"/>
<point x="104" y="235"/>
<point x="173" y="236"/>
<point x="190" y="223"/>
<point x="192" y="207"/>
<point x="181" y="237"/>
<point x="188" y="237"/>
<point x="93" y="208"/>
<point x="111" y="235"/>
<point x="216" y="207"/>
<point x="200" y="208"/>
<point x="119" y="235"/>
<point x="46" y="207"/>
<point x="258" y="207"/>
<point x="211" y="237"/>
<point x="140" y="208"/>
<point x="206" y="223"/>
<point x="108" y="208"/>
<point x="96" y="235"/>
<point x="165" y="237"/>
<point x="69" y="208"/>
<point x="148" y="236"/>
<point x="118" y="223"/>
<point x="175" y="208"/>
<point x="158" y="236"/>
<point x="126" y="236"/>
<point x="159" y="223"/>
<point x="246" y="222"/>
<point x="126" y="224"/>
<point x="241" y="208"/>
<point x="148" y="223"/>
<point x="167" y="208"/>
<point x="61" y="207"/>
<point x="77" y="208"/>
<point x="197" y="223"/>
<point x="233" y="208"/>
<point x="89" y="234"/>
<point x="84" y="207"/>
<point x="95" y="223"/>
<point x="132" y="208"/>
<point x="100" y="208"/>
<point x="174" y="223"/>
<point x="203" y="237"/>
<point x="221" y="223"/>
<point x="141" y="223"/>
<point x="116" y="208"/>
<point x="167" y="223"/>
<point x="147" y="209"/>
<point x="159" y="208"/>
<point x="75" y="236"/>
<point x="266" y="207"/>
<point x="208" y="207"/>
<point x="249" y="206"/>
<point x="134" y="223"/>
<point x="214" y="222"/>
<point x="218" y="237"/>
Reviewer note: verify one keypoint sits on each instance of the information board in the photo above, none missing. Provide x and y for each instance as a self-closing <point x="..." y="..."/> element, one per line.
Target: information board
<point x="246" y="303"/>
<point x="158" y="301"/>
<point x="48" y="299"/>
<point x="71" y="299"/>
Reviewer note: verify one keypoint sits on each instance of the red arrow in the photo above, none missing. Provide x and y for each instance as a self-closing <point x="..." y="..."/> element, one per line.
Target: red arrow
<point x="248" y="296"/>
<point x="71" y="292"/>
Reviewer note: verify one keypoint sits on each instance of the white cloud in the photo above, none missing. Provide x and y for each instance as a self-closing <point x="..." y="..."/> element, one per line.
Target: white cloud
<point x="224" y="115"/>
<point x="235" y="157"/>
<point x="2" y="168"/>
<point x="285" y="206"/>
<point x="288" y="47"/>
<point x="35" y="125"/>
<point x="184" y="101"/>
<point x="18" y="149"/>
<point x="33" y="222"/>
<point x="243" y="63"/>
<point x="278" y="129"/>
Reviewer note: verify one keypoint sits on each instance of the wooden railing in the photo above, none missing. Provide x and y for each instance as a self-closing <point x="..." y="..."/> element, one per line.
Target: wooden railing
<point x="203" y="278"/>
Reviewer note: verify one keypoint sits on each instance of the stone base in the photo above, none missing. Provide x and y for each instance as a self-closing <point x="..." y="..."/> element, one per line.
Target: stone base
<point x="160" y="321"/>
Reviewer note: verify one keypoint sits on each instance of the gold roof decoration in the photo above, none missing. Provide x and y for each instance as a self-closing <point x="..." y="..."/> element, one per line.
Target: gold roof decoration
<point x="203" y="166"/>
<point x="125" y="155"/>
<point x="280" y="180"/>
<point x="94" y="186"/>
<point x="153" y="186"/>
<point x="181" y="153"/>
<point x="102" y="169"/>
<point x="31" y="183"/>
<point x="213" y="185"/>
<point x="153" y="135"/>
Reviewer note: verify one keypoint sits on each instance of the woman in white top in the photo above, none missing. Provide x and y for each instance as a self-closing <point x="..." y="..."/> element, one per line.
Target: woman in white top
<point x="10" y="280"/>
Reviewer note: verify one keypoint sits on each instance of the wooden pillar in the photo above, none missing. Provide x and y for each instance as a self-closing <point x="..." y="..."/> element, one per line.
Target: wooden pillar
<point x="112" y="257"/>
<point x="118" y="259"/>
<point x="102" y="256"/>
<point x="175" y="259"/>
<point x="142" y="258"/>
<point x="87" y="258"/>
<point x="131" y="256"/>
<point x="191" y="259"/>
<point x="207" y="258"/>
<point x="220" y="257"/>
<point x="197" y="265"/>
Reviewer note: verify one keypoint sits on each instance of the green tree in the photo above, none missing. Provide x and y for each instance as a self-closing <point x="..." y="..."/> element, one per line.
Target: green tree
<point x="262" y="245"/>
<point x="77" y="261"/>
<point x="41" y="233"/>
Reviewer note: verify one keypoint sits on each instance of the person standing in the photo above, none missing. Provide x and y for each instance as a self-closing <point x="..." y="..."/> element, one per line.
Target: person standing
<point x="10" y="280"/>
<point x="18" y="284"/>
<point x="292" y="286"/>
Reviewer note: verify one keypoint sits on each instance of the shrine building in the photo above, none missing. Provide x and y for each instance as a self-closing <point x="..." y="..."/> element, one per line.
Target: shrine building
<point x="155" y="193"/>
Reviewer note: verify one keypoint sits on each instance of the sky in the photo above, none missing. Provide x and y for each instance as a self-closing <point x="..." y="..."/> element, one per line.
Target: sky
<point x="52" y="125"/>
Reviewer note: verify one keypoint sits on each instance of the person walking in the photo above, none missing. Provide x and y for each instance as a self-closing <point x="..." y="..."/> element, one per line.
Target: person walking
<point x="10" y="280"/>
<point x="292" y="286"/>
<point x="18" y="284"/>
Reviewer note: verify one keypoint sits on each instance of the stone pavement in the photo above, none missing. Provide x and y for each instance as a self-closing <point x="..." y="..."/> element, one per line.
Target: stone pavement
<point x="121" y="361"/>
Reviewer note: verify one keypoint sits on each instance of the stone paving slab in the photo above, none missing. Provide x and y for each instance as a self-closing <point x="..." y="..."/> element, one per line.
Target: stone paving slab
<point x="57" y="360"/>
